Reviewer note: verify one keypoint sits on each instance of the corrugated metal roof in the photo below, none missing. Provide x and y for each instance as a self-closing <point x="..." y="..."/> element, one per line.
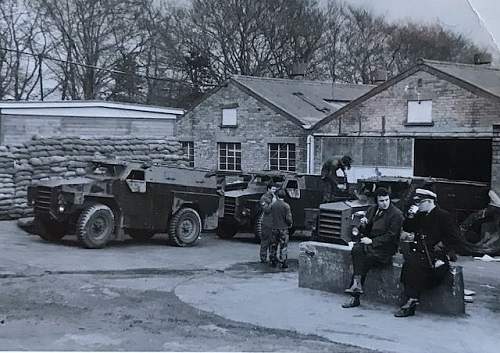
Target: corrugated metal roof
<point x="484" y="77"/>
<point x="307" y="101"/>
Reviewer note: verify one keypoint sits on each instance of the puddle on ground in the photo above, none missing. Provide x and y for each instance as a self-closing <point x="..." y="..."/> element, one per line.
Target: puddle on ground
<point x="293" y="266"/>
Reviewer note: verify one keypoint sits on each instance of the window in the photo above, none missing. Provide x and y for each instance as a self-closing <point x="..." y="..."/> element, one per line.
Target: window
<point x="188" y="150"/>
<point x="136" y="175"/>
<point x="419" y="112"/>
<point x="229" y="156"/>
<point x="229" y="117"/>
<point x="282" y="156"/>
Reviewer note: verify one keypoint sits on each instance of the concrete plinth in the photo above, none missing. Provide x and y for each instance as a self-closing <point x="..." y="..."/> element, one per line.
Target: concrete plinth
<point x="328" y="267"/>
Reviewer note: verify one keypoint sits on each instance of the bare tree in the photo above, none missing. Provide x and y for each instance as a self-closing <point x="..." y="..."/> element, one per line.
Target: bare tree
<point x="411" y="41"/>
<point x="364" y="46"/>
<point x="330" y="53"/>
<point x="93" y="33"/>
<point x="257" y="38"/>
<point x="22" y="47"/>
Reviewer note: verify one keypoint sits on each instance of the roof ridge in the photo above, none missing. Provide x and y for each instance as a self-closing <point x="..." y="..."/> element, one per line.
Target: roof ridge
<point x="314" y="82"/>
<point x="450" y="63"/>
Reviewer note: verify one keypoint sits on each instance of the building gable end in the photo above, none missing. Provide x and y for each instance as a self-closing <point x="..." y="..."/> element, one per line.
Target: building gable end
<point x="391" y="82"/>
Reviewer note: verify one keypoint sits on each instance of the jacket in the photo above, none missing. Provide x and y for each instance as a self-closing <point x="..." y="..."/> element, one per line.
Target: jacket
<point x="435" y="232"/>
<point x="266" y="201"/>
<point x="384" y="230"/>
<point x="281" y="215"/>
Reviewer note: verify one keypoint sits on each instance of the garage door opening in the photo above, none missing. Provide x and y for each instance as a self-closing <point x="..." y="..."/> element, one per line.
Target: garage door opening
<point x="456" y="159"/>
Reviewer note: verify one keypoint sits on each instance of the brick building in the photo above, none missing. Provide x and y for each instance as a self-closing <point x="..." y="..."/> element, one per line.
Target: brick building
<point x="435" y="119"/>
<point x="19" y="121"/>
<point x="254" y="123"/>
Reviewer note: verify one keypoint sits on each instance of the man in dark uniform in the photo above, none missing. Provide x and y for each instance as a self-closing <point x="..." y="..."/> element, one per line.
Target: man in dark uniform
<point x="435" y="236"/>
<point x="282" y="220"/>
<point x="266" y="201"/>
<point x="379" y="241"/>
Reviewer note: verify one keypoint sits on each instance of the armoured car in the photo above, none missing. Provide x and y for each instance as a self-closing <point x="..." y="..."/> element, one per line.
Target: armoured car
<point x="117" y="197"/>
<point x="242" y="212"/>
<point x="338" y="221"/>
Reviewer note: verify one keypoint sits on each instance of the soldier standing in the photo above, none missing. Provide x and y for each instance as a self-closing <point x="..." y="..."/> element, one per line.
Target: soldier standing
<point x="334" y="173"/>
<point x="267" y="221"/>
<point x="282" y="220"/>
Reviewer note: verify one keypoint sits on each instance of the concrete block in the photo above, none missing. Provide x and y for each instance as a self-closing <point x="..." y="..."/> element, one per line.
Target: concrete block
<point x="328" y="267"/>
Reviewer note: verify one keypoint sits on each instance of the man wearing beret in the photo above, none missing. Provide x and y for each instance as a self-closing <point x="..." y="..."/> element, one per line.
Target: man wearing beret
<point x="435" y="237"/>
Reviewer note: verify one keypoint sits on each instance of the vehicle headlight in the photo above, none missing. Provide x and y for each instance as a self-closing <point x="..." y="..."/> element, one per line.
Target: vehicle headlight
<point x="60" y="202"/>
<point x="355" y="231"/>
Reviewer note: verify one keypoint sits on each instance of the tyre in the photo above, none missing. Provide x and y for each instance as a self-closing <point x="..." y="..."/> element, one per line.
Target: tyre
<point x="140" y="234"/>
<point x="227" y="228"/>
<point x="185" y="227"/>
<point x="95" y="226"/>
<point x="50" y="230"/>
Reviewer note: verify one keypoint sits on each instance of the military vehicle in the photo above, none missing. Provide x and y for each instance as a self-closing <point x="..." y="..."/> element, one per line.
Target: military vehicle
<point x="338" y="221"/>
<point x="117" y="197"/>
<point x="242" y="211"/>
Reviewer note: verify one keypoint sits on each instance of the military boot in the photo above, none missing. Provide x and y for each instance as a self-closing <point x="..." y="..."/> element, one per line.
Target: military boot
<point x="408" y="309"/>
<point x="352" y="303"/>
<point x="356" y="287"/>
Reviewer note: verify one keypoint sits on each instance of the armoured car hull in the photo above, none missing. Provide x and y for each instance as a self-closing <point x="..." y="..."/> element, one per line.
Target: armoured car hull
<point x="118" y="197"/>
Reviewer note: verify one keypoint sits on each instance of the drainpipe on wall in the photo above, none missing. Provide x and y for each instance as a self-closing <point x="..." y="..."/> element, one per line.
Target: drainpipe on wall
<point x="310" y="154"/>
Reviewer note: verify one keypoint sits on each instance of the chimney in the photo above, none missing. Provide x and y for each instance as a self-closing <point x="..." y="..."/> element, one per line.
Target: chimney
<point x="482" y="59"/>
<point x="379" y="76"/>
<point x="298" y="70"/>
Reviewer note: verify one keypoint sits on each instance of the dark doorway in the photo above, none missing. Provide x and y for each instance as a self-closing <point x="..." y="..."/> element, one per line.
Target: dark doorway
<point x="456" y="159"/>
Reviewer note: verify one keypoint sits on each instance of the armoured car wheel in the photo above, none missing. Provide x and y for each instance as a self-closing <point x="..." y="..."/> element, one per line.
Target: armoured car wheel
<point x="140" y="234"/>
<point x="50" y="230"/>
<point x="95" y="226"/>
<point x="227" y="229"/>
<point x="185" y="227"/>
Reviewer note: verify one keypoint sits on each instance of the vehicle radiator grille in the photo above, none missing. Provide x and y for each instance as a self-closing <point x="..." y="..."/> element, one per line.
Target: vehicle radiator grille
<point x="229" y="206"/>
<point x="330" y="224"/>
<point x="44" y="199"/>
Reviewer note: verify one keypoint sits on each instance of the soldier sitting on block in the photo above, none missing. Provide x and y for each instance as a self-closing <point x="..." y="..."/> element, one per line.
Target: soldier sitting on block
<point x="435" y="239"/>
<point x="379" y="241"/>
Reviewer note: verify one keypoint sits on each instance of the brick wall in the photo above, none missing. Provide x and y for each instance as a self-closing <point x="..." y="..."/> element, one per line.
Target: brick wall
<point x="66" y="157"/>
<point x="455" y="110"/>
<point x="258" y="125"/>
<point x="456" y="113"/>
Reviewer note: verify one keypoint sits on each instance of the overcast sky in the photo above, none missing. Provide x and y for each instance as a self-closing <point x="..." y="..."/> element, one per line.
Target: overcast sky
<point x="457" y="15"/>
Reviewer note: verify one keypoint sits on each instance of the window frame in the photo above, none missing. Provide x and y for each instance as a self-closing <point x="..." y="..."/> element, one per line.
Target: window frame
<point x="189" y="152"/>
<point x="232" y="151"/>
<point x="418" y="123"/>
<point x="282" y="163"/>
<point x="229" y="108"/>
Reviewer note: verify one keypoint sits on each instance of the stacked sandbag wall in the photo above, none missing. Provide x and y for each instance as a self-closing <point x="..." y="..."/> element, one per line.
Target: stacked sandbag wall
<point x="66" y="157"/>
